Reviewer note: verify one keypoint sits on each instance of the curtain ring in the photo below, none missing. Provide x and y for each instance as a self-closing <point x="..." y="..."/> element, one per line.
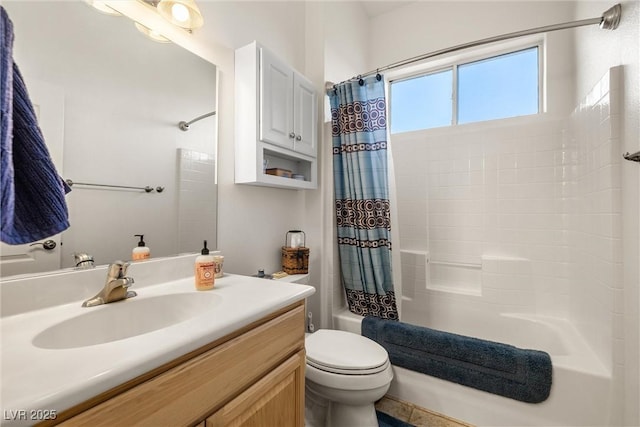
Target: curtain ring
<point x="360" y="81"/>
<point x="335" y="89"/>
<point x="378" y="76"/>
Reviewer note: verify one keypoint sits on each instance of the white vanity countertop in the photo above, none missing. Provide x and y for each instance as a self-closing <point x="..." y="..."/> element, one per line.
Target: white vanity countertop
<point x="35" y="378"/>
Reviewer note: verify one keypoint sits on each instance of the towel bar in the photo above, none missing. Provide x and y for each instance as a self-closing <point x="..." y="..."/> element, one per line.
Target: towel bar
<point x="147" y="189"/>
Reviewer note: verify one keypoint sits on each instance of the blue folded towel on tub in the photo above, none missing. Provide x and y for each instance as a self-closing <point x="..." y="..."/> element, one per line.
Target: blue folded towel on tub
<point x="493" y="367"/>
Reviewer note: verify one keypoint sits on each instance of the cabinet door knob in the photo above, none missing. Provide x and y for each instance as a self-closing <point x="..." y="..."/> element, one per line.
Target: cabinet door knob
<point x="298" y="138"/>
<point x="292" y="135"/>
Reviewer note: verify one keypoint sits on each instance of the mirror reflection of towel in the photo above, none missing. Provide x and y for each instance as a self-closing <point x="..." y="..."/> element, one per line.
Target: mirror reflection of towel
<point x="32" y="194"/>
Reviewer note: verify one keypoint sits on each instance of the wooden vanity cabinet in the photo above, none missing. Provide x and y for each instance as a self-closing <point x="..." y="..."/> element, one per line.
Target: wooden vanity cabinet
<point x="254" y="377"/>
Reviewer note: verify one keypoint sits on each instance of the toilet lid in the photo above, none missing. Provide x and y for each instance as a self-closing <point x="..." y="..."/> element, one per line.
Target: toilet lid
<point x="341" y="351"/>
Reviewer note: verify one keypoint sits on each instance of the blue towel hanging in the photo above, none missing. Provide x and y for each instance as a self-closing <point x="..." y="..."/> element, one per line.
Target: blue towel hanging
<point x="32" y="194"/>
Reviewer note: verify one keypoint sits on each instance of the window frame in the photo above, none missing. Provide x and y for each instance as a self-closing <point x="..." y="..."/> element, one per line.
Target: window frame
<point x="453" y="61"/>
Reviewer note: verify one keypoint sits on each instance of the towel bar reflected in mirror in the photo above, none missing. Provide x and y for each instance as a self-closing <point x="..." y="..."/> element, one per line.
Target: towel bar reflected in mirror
<point x="147" y="189"/>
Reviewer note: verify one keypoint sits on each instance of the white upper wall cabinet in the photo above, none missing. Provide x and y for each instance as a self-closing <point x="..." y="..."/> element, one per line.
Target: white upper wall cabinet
<point x="276" y="122"/>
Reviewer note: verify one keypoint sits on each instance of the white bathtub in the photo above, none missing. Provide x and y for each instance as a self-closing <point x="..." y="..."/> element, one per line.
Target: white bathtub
<point x="581" y="390"/>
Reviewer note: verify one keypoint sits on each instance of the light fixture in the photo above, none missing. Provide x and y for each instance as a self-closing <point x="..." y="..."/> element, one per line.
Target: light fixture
<point x="153" y="35"/>
<point x="183" y="13"/>
<point x="100" y="6"/>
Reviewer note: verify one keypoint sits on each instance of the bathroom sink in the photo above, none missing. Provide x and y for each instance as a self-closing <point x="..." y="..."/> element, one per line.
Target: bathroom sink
<point x="125" y="319"/>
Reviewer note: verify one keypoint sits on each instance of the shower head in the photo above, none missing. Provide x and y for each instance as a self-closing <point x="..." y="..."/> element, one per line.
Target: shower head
<point x="611" y="18"/>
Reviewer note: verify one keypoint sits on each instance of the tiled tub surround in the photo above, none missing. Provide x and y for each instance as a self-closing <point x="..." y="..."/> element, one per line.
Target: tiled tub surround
<point x="595" y="226"/>
<point x="197" y="199"/>
<point x="510" y="231"/>
<point x="480" y="194"/>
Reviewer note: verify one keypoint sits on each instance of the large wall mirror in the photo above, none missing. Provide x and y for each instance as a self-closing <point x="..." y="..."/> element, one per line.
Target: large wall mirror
<point x="110" y="100"/>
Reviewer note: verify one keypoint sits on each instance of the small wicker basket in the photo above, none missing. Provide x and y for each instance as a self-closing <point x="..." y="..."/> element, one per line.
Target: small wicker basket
<point x="295" y="260"/>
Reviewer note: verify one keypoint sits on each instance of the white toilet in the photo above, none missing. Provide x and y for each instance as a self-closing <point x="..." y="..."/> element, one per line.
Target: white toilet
<point x="345" y="374"/>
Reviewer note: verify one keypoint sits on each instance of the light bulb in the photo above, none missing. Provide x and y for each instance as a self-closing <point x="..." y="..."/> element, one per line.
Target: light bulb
<point x="183" y="13"/>
<point x="180" y="12"/>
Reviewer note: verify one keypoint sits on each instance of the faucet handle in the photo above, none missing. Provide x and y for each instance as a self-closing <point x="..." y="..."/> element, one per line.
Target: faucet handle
<point x="124" y="266"/>
<point x="83" y="260"/>
<point x="118" y="269"/>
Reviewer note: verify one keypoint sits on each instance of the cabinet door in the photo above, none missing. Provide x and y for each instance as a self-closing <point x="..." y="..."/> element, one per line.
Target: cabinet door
<point x="275" y="400"/>
<point x="276" y="101"/>
<point x="305" y="116"/>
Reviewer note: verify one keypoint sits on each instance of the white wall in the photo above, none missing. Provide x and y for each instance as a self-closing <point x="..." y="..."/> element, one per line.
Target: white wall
<point x="279" y="25"/>
<point x="315" y="200"/>
<point x="346" y="47"/>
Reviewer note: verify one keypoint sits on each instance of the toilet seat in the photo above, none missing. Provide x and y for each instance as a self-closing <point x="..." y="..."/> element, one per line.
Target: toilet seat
<point x="345" y="353"/>
<point x="334" y="370"/>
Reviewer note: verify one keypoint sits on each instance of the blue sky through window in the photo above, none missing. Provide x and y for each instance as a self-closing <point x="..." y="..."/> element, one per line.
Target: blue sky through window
<point x="498" y="87"/>
<point x="422" y="102"/>
<point x="493" y="88"/>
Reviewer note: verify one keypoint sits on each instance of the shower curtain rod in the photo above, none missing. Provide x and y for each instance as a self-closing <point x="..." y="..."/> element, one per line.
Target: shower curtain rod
<point x="608" y="21"/>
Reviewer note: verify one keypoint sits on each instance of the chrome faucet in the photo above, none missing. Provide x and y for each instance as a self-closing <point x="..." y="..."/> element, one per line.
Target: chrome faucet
<point x="115" y="288"/>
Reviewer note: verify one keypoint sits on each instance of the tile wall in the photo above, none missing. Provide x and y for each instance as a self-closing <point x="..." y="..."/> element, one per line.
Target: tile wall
<point x="197" y="200"/>
<point x="593" y="142"/>
<point x="520" y="215"/>
<point x="479" y="194"/>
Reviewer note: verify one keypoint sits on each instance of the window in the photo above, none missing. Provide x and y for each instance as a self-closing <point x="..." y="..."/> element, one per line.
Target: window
<point x="492" y="88"/>
<point x="422" y="102"/>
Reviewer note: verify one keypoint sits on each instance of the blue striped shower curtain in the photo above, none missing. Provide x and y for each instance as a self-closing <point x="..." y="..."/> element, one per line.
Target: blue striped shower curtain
<point x="359" y="134"/>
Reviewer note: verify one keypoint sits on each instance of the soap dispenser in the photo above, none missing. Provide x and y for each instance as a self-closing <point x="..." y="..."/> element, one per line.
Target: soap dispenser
<point x="141" y="251"/>
<point x="205" y="270"/>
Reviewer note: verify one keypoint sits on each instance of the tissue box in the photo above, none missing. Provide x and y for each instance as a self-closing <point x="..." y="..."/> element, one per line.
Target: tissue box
<point x="295" y="260"/>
